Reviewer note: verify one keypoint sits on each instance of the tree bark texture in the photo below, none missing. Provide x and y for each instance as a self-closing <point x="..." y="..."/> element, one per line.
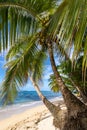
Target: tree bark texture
<point x="76" y="110"/>
<point x="51" y="107"/>
<point x="70" y="100"/>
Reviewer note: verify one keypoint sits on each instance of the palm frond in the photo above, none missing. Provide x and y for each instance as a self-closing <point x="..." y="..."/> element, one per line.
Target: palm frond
<point x="53" y="84"/>
<point x="40" y="57"/>
<point x="25" y="58"/>
<point x="17" y="69"/>
<point x="57" y="18"/>
<point x="28" y="9"/>
<point x="19" y="46"/>
<point x="84" y="63"/>
<point x="69" y="24"/>
<point x="61" y="52"/>
<point x="21" y="18"/>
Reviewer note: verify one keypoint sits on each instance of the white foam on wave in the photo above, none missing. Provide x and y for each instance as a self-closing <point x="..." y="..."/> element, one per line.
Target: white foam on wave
<point x="26" y="104"/>
<point x="17" y="106"/>
<point x="10" y="110"/>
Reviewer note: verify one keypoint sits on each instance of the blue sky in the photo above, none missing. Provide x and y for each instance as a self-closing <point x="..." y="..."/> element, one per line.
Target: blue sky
<point x="28" y="86"/>
<point x="2" y="69"/>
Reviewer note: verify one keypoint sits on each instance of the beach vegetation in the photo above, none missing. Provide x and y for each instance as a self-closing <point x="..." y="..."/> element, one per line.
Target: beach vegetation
<point x="72" y="78"/>
<point x="43" y="27"/>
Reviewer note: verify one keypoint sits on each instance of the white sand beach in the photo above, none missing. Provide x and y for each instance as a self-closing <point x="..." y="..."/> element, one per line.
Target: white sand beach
<point x="36" y="118"/>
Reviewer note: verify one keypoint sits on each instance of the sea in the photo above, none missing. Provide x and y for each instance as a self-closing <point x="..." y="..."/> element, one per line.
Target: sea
<point x="32" y="96"/>
<point x="26" y="100"/>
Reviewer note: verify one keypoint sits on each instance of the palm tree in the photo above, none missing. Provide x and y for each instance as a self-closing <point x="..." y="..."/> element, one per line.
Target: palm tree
<point x="72" y="31"/>
<point x="71" y="77"/>
<point x="21" y="66"/>
<point x="69" y="23"/>
<point x="46" y="38"/>
<point x="22" y="16"/>
<point x="10" y="92"/>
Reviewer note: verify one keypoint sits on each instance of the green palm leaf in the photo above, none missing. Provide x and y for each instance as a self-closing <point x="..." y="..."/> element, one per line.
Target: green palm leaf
<point x="69" y="23"/>
<point x="25" y="58"/>
<point x="53" y="84"/>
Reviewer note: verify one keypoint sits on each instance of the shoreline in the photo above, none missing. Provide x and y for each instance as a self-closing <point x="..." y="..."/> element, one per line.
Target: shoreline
<point x="8" y="111"/>
<point x="30" y="116"/>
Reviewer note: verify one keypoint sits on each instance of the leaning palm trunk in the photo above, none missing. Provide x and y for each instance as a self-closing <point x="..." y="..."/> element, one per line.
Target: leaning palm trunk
<point x="77" y="86"/>
<point x="55" y="110"/>
<point x="51" y="107"/>
<point x="72" y="100"/>
<point x="77" y="111"/>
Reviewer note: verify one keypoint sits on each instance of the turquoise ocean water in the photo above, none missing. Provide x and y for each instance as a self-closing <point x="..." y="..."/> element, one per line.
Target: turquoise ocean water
<point x="32" y="96"/>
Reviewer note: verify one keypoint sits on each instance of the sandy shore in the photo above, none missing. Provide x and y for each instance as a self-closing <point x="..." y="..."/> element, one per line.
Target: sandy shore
<point x="37" y="118"/>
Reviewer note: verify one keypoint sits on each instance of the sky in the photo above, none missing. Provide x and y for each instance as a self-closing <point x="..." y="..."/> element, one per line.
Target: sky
<point x="2" y="69"/>
<point x="28" y="86"/>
